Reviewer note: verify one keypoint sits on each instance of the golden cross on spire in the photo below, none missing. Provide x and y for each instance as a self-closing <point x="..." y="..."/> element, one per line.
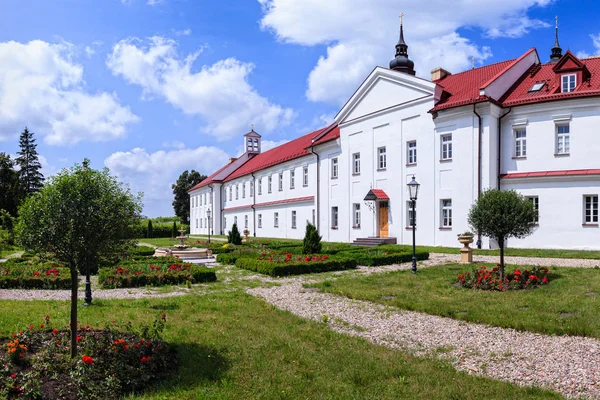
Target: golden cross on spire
<point x="401" y="15"/>
<point x="252" y="125"/>
<point x="556" y="18"/>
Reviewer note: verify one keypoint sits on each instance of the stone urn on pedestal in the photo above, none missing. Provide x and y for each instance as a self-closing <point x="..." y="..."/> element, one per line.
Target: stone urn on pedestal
<point x="246" y="234"/>
<point x="466" y="253"/>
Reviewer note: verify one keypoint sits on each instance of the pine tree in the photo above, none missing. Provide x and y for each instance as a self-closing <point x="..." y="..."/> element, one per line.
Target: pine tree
<point x="174" y="230"/>
<point x="312" y="240"/>
<point x="234" y="236"/>
<point x="150" y="230"/>
<point x="30" y="177"/>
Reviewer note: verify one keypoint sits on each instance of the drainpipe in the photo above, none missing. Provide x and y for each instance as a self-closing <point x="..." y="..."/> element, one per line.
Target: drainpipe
<point x="500" y="143"/>
<point x="253" y="203"/>
<point x="211" y="220"/>
<point x="221" y="206"/>
<point x="479" y="155"/>
<point x="318" y="207"/>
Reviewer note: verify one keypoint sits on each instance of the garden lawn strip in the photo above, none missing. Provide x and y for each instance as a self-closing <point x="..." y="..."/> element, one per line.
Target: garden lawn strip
<point x="235" y="346"/>
<point x="566" y="364"/>
<point x="524" y="260"/>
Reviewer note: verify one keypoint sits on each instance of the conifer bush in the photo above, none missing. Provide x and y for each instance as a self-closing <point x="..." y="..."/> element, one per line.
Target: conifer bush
<point x="174" y="230"/>
<point x="312" y="240"/>
<point x="234" y="236"/>
<point x="149" y="232"/>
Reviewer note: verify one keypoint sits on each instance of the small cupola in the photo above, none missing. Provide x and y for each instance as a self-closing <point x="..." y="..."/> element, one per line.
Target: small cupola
<point x="556" y="50"/>
<point x="402" y="63"/>
<point x="252" y="142"/>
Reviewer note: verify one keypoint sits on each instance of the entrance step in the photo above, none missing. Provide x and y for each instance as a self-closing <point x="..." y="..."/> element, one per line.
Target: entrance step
<point x="374" y="241"/>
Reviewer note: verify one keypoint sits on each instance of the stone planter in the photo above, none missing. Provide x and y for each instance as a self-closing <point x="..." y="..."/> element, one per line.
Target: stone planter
<point x="466" y="253"/>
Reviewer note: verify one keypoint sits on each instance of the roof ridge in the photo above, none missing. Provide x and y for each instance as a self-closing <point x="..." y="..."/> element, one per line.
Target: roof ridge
<point x="478" y="68"/>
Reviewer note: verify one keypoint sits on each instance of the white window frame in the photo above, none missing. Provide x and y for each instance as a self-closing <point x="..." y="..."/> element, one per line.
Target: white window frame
<point x="237" y="191"/>
<point x="446" y="213"/>
<point x="276" y="220"/>
<point x="356" y="215"/>
<point x="409" y="214"/>
<point x="566" y="80"/>
<point x="292" y="179"/>
<point x="224" y="222"/>
<point x="230" y="192"/>
<point x="590" y="217"/>
<point x="334" y="168"/>
<point x="280" y="183"/>
<point x="260" y="186"/>
<point x="536" y="206"/>
<point x="270" y="184"/>
<point x="446" y="147"/>
<point x="243" y="190"/>
<point x="381" y="158"/>
<point x="313" y="216"/>
<point x="252" y="188"/>
<point x="305" y="176"/>
<point x="334" y="217"/>
<point x="235" y="221"/>
<point x="520" y="139"/>
<point x="293" y="219"/>
<point x="411" y="152"/>
<point x="197" y="223"/>
<point x="260" y="220"/>
<point x="563" y="139"/>
<point x="356" y="164"/>
<point x="245" y="222"/>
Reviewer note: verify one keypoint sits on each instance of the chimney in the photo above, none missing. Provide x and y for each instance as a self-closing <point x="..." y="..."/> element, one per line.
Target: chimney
<point x="232" y="160"/>
<point x="439" y="73"/>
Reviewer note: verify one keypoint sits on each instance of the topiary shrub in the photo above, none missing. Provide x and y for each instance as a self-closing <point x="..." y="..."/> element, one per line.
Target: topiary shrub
<point x="312" y="240"/>
<point x="174" y="230"/>
<point x="283" y="266"/>
<point x="234" y="236"/>
<point x="149" y="231"/>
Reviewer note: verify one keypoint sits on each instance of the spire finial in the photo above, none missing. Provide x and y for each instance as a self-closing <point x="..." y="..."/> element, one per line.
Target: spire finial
<point x="556" y="50"/>
<point x="556" y="18"/>
<point x="472" y="62"/>
<point x="401" y="15"/>
<point x="252" y="126"/>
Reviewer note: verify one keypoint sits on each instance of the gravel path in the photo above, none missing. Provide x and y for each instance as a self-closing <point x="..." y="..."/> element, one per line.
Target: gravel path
<point x="546" y="262"/>
<point x="569" y="365"/>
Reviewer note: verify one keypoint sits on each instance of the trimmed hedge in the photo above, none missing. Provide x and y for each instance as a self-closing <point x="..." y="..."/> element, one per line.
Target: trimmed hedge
<point x="295" y="267"/>
<point x="231" y="258"/>
<point x="111" y="278"/>
<point x="374" y="260"/>
<point x="20" y="276"/>
<point x="141" y="251"/>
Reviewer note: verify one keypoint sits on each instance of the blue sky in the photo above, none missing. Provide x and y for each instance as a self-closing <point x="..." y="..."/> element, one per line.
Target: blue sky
<point x="150" y="88"/>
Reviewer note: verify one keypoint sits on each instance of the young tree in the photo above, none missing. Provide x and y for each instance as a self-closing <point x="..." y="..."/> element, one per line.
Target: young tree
<point x="181" y="202"/>
<point x="501" y="214"/>
<point x="29" y="164"/>
<point x="174" y="233"/>
<point x="149" y="232"/>
<point x="312" y="240"/>
<point x="80" y="215"/>
<point x="234" y="236"/>
<point x="10" y="191"/>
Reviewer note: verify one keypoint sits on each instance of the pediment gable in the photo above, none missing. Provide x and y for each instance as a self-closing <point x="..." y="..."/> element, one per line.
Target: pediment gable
<point x="568" y="62"/>
<point x="382" y="90"/>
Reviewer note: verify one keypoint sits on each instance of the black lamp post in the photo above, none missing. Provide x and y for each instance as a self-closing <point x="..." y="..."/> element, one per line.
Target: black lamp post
<point x="88" y="286"/>
<point x="413" y="191"/>
<point x="209" y="224"/>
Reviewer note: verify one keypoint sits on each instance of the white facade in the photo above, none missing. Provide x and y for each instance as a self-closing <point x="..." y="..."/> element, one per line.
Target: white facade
<point x="388" y="133"/>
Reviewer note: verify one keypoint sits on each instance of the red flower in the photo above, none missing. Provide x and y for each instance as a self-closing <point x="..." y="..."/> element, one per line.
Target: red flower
<point x="517" y="272"/>
<point x="30" y="326"/>
<point x="144" y="359"/>
<point x="325" y="257"/>
<point x="164" y="316"/>
<point x="78" y="338"/>
<point x="14" y="335"/>
<point x="47" y="317"/>
<point x="87" y="360"/>
<point x="533" y="277"/>
<point x="41" y="325"/>
<point x="55" y="331"/>
<point x="545" y="280"/>
<point x="13" y="376"/>
<point x="87" y="327"/>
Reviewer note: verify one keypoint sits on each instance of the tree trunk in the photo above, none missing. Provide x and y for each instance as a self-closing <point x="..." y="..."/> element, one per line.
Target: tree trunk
<point x="74" y="286"/>
<point x="501" y="245"/>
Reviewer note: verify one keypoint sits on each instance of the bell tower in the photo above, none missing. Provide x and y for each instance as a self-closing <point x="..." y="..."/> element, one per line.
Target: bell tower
<point x="252" y="142"/>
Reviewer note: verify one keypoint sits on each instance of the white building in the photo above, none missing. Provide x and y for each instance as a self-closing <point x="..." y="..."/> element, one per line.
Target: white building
<point x="518" y="124"/>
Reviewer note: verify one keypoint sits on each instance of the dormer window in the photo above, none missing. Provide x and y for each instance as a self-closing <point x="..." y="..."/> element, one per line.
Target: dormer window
<point x="568" y="83"/>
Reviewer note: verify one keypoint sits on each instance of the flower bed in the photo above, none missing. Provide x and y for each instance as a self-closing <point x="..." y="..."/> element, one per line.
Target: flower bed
<point x="36" y="362"/>
<point x="489" y="279"/>
<point x="155" y="274"/>
<point x="289" y="264"/>
<point x="25" y="276"/>
<point x="375" y="257"/>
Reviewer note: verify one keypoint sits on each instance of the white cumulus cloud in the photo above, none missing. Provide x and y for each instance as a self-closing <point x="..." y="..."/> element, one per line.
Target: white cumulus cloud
<point x="219" y="94"/>
<point x="153" y="173"/>
<point x="43" y="88"/>
<point x="595" y="43"/>
<point x="360" y="34"/>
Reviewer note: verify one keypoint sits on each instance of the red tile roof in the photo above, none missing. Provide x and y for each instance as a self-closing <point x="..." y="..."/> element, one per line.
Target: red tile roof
<point x="272" y="203"/>
<point x="288" y="151"/>
<point x="463" y="88"/>
<point x="540" y="174"/>
<point x="209" y="179"/>
<point x="519" y="94"/>
<point x="330" y="133"/>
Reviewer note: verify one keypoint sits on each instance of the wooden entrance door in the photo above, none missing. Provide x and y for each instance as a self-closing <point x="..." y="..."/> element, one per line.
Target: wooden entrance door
<point x="383" y="219"/>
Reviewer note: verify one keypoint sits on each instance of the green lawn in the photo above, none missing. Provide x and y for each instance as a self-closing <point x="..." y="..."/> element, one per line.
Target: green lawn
<point x="544" y="253"/>
<point x="234" y="346"/>
<point x="570" y="304"/>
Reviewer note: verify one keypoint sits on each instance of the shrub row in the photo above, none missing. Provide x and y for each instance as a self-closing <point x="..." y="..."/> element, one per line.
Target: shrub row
<point x="111" y="278"/>
<point x="231" y="258"/>
<point x="159" y="230"/>
<point x="18" y="276"/>
<point x="295" y="267"/>
<point x="381" y="258"/>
